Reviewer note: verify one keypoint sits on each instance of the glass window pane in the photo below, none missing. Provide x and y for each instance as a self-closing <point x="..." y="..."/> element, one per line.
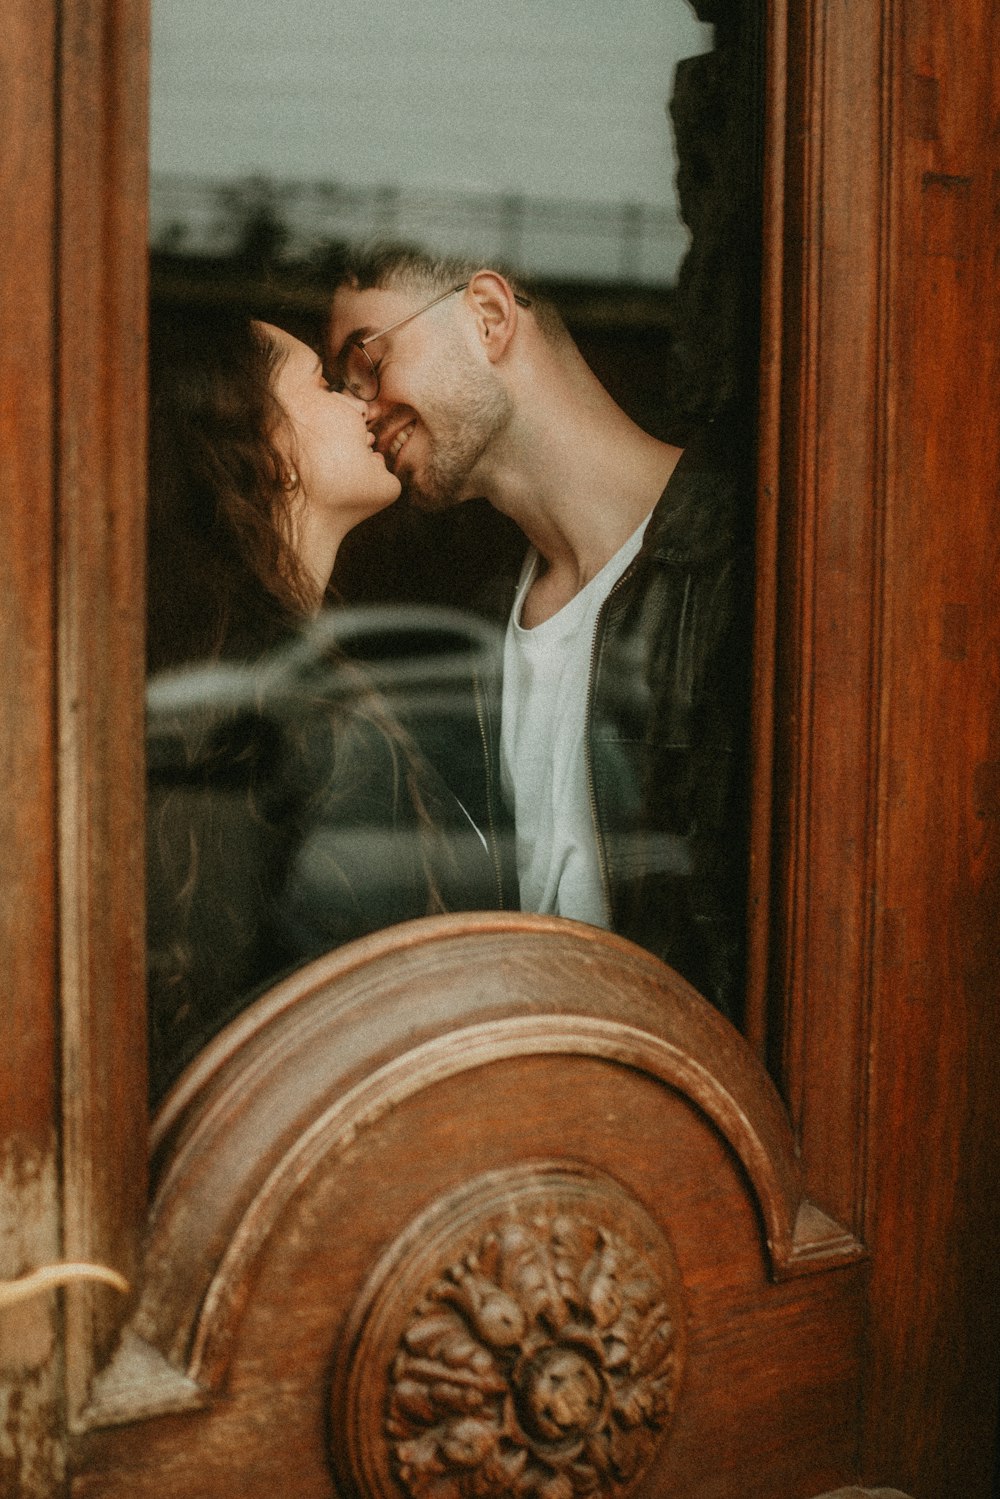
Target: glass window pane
<point x="335" y="741"/>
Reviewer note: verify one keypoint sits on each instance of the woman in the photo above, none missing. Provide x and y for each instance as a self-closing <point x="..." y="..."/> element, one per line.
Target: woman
<point x="288" y="812"/>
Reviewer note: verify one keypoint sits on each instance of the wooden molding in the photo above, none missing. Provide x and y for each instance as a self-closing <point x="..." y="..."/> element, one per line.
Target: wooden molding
<point x="101" y="374"/>
<point x="503" y="1168"/>
<point x="820" y="600"/>
<point x="349" y="1039"/>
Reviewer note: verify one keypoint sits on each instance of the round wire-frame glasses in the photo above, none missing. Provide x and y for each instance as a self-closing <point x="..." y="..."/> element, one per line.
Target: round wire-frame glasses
<point x="355" y="370"/>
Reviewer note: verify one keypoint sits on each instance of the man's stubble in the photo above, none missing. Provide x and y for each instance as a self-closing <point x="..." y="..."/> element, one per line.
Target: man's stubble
<point x="469" y="410"/>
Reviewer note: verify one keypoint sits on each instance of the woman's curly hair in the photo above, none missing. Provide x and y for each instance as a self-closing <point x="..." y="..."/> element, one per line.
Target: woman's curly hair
<point x="236" y="794"/>
<point x="224" y="578"/>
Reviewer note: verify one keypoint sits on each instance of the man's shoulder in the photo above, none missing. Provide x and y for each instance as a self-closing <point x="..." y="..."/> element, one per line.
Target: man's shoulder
<point x="706" y="510"/>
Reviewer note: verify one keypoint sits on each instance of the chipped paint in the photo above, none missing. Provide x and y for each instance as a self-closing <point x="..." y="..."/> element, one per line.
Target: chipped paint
<point x="31" y="1441"/>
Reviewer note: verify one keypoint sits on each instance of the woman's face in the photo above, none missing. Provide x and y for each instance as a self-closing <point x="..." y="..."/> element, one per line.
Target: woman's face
<point x="342" y="479"/>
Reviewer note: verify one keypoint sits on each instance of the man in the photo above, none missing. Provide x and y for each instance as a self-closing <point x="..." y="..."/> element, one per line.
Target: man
<point x="622" y="721"/>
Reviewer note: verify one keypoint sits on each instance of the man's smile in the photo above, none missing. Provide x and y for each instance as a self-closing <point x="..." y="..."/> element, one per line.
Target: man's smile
<point x="392" y="449"/>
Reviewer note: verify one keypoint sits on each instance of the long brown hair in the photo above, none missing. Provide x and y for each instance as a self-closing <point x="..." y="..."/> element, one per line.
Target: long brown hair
<point x="224" y="579"/>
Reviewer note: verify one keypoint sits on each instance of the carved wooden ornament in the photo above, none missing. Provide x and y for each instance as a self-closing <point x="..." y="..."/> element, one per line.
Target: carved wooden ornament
<point x="525" y="1338"/>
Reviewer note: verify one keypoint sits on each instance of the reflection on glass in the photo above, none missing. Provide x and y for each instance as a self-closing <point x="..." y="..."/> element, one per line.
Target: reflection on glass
<point x="290" y="810"/>
<point x="348" y="725"/>
<point x="532" y="131"/>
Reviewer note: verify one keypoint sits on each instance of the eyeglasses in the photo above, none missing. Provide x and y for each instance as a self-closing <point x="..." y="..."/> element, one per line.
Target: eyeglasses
<point x="355" y="370"/>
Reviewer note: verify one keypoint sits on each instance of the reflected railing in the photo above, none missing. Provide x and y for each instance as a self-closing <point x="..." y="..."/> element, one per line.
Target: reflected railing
<point x="563" y="239"/>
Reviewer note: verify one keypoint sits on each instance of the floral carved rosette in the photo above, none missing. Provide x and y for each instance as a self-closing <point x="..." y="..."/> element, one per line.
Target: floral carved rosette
<point x="545" y="1357"/>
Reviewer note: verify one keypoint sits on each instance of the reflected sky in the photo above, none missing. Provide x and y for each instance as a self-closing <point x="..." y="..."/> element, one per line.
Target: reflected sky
<point x="541" y="97"/>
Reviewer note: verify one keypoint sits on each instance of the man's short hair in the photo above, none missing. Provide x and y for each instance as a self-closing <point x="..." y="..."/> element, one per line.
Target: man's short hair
<point x="384" y="265"/>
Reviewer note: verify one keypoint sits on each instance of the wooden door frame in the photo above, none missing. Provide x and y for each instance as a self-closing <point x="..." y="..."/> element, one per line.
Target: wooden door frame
<point x="73" y="522"/>
<point x="821" y="509"/>
<point x="876" y="855"/>
<point x="865" y="126"/>
<point x="101" y="485"/>
<point x="29" y="1216"/>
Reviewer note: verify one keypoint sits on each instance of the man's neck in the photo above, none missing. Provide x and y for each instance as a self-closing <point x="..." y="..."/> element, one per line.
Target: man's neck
<point x="569" y="467"/>
<point x="578" y="485"/>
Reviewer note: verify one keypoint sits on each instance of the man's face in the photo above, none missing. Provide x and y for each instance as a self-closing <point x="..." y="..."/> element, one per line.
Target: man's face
<point x="440" y="404"/>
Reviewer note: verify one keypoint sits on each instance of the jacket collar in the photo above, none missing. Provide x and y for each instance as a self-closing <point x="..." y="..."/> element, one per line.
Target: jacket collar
<point x="698" y="516"/>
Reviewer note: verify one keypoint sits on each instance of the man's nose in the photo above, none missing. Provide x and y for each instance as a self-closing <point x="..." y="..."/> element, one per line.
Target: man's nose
<point x="375" y="408"/>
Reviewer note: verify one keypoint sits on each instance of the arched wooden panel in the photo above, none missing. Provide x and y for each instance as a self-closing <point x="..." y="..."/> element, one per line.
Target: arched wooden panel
<point x="481" y="1102"/>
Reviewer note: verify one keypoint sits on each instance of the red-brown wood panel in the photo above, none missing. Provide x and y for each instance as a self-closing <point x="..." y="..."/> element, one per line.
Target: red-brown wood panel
<point x="933" y="1218"/>
<point x="820" y="458"/>
<point x="103" y="62"/>
<point x="29" y="1394"/>
<point x="72" y="374"/>
<point x="880" y="472"/>
<point x="27" y="361"/>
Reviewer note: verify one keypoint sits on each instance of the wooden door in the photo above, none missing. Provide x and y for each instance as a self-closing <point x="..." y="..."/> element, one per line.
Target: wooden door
<point x="482" y="1205"/>
<point x="765" y="1282"/>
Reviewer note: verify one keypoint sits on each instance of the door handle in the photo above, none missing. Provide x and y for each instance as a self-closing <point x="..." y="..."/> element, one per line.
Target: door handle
<point x="48" y="1277"/>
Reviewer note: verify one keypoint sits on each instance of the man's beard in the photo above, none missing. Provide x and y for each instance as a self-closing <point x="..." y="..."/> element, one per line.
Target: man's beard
<point x="469" y="411"/>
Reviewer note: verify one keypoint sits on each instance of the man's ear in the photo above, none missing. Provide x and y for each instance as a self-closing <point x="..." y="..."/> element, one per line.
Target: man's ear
<point x="494" y="306"/>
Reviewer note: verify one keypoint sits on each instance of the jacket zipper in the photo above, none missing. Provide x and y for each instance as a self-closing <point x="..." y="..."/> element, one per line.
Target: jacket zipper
<point x="481" y="712"/>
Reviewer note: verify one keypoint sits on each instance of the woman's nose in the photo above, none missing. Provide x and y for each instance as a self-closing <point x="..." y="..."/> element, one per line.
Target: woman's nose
<point x="356" y="402"/>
